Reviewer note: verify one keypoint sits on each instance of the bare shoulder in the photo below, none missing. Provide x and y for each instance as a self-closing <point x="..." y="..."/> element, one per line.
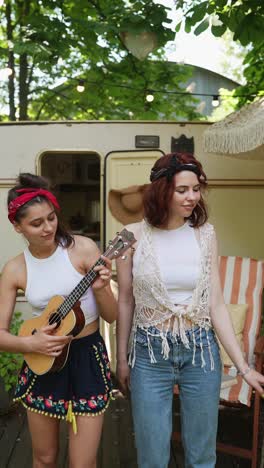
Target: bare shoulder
<point x="14" y="271"/>
<point x="85" y="244"/>
<point x="14" y="264"/>
<point x="83" y="253"/>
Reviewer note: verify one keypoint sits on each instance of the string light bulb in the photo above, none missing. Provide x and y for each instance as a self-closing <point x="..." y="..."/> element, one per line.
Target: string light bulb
<point x="215" y="100"/>
<point x="149" y="97"/>
<point x="5" y="72"/>
<point x="80" y="87"/>
<point x="8" y="71"/>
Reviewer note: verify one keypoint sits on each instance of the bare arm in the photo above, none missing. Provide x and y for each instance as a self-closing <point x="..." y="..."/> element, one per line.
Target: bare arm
<point x="8" y="291"/>
<point x="85" y="254"/>
<point x="40" y="342"/>
<point x="124" y="319"/>
<point x="125" y="306"/>
<point x="106" y="303"/>
<point x="224" y="329"/>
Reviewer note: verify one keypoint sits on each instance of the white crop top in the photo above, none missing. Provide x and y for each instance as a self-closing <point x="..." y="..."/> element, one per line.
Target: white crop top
<point x="178" y="255"/>
<point x="52" y="276"/>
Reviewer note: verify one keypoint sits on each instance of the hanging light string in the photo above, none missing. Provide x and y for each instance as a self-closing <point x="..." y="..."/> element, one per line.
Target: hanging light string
<point x="149" y="94"/>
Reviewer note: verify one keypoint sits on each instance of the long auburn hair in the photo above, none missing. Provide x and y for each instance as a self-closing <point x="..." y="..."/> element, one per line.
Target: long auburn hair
<point x="63" y="236"/>
<point x="158" y="194"/>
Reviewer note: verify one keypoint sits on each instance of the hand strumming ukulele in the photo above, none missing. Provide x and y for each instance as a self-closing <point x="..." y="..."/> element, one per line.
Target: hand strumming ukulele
<point x="66" y="312"/>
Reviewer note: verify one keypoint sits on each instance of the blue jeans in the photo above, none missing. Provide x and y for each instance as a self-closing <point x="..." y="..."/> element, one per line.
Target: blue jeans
<point x="152" y="397"/>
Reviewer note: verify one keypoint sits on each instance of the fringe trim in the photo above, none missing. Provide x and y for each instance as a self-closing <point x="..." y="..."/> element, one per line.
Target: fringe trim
<point x="210" y="352"/>
<point x="132" y="353"/>
<point x="70" y="417"/>
<point x="151" y="352"/>
<point x="98" y="358"/>
<point x="194" y="347"/>
<point x="183" y="332"/>
<point x="239" y="132"/>
<point x="72" y="414"/>
<point x="165" y="348"/>
<point x="202" y="350"/>
<point x="28" y="390"/>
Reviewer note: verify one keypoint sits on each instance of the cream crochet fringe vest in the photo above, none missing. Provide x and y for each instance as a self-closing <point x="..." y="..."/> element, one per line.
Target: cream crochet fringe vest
<point x="153" y="306"/>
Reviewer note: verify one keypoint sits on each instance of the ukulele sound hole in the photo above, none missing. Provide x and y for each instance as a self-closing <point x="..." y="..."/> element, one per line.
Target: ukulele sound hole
<point x="55" y="318"/>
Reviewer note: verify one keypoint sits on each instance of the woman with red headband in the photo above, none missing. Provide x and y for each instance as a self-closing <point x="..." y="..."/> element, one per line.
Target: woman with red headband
<point x="53" y="263"/>
<point x="170" y="306"/>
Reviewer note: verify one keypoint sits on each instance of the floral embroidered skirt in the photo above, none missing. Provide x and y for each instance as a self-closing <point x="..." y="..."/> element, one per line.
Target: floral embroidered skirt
<point x="82" y="387"/>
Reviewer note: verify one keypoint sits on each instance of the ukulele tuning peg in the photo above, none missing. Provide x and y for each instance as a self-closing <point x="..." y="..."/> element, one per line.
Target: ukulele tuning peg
<point x="124" y="257"/>
<point x="117" y="233"/>
<point x="133" y="249"/>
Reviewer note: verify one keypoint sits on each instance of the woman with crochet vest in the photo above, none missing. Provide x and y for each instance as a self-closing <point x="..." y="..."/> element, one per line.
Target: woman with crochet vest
<point x="55" y="263"/>
<point x="170" y="307"/>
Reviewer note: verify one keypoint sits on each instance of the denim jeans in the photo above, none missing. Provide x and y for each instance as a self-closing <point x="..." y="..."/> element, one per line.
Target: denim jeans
<point x="152" y="396"/>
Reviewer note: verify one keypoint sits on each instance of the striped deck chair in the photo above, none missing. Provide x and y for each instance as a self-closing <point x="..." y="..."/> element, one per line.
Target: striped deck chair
<point x="242" y="281"/>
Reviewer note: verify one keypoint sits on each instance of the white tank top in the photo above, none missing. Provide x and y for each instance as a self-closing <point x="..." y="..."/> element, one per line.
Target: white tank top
<point x="178" y="255"/>
<point x="52" y="276"/>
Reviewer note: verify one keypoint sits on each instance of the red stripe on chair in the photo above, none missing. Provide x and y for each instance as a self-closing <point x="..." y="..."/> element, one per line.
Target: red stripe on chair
<point x="236" y="289"/>
<point x="236" y="280"/>
<point x="222" y="270"/>
<point x="250" y="302"/>
<point x="242" y="282"/>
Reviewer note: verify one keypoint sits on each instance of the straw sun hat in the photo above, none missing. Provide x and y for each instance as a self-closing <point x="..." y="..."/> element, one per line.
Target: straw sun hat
<point x="126" y="205"/>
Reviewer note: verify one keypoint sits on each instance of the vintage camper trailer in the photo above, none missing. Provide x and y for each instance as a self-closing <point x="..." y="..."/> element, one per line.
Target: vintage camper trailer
<point x="84" y="160"/>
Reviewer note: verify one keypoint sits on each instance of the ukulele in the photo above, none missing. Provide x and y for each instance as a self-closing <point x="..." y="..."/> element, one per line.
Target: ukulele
<point x="67" y="313"/>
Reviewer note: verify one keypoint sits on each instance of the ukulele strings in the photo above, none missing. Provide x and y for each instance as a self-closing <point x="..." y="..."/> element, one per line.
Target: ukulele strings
<point x="59" y="314"/>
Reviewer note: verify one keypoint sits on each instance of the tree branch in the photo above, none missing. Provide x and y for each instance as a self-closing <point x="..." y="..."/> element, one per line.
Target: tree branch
<point x="11" y="62"/>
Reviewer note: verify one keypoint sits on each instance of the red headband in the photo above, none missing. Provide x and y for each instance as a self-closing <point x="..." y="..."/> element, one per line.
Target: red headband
<point x="28" y="194"/>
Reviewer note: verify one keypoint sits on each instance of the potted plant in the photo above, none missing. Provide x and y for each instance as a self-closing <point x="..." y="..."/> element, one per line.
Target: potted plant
<point x="10" y="364"/>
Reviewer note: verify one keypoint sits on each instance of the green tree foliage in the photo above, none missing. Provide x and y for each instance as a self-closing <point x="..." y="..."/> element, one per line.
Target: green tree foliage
<point x="233" y="57"/>
<point x="51" y="44"/>
<point x="246" y="21"/>
<point x="227" y="105"/>
<point x="11" y="363"/>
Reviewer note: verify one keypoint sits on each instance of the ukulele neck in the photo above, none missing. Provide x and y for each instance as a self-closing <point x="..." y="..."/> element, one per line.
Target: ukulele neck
<point x="80" y="289"/>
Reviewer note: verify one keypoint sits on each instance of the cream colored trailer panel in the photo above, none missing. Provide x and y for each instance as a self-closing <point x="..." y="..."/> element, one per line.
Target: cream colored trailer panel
<point x="235" y="208"/>
<point x="123" y="169"/>
<point x="236" y="196"/>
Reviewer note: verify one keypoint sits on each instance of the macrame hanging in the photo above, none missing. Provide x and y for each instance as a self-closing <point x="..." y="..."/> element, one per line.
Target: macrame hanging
<point x="239" y="132"/>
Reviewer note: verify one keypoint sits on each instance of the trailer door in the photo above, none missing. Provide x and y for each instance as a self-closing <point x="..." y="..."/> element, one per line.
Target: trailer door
<point x="123" y="169"/>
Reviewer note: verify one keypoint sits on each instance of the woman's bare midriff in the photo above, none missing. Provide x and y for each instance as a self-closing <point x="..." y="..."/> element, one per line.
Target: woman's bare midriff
<point x="88" y="329"/>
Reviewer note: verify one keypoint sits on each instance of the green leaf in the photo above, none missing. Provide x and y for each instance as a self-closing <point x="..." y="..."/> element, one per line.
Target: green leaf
<point x="188" y="24"/>
<point x="178" y="26"/>
<point x="69" y="39"/>
<point x="218" y="31"/>
<point x="202" y="27"/>
<point x="199" y="12"/>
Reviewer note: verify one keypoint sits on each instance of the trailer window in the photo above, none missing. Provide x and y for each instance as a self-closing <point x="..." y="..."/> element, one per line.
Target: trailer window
<point x="75" y="179"/>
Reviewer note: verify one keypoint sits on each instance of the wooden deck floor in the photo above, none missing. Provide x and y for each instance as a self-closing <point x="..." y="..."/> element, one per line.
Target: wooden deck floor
<point x="117" y="448"/>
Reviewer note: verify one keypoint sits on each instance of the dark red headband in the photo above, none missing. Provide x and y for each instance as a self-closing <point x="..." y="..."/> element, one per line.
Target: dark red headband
<point x="174" y="167"/>
<point x="28" y="194"/>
